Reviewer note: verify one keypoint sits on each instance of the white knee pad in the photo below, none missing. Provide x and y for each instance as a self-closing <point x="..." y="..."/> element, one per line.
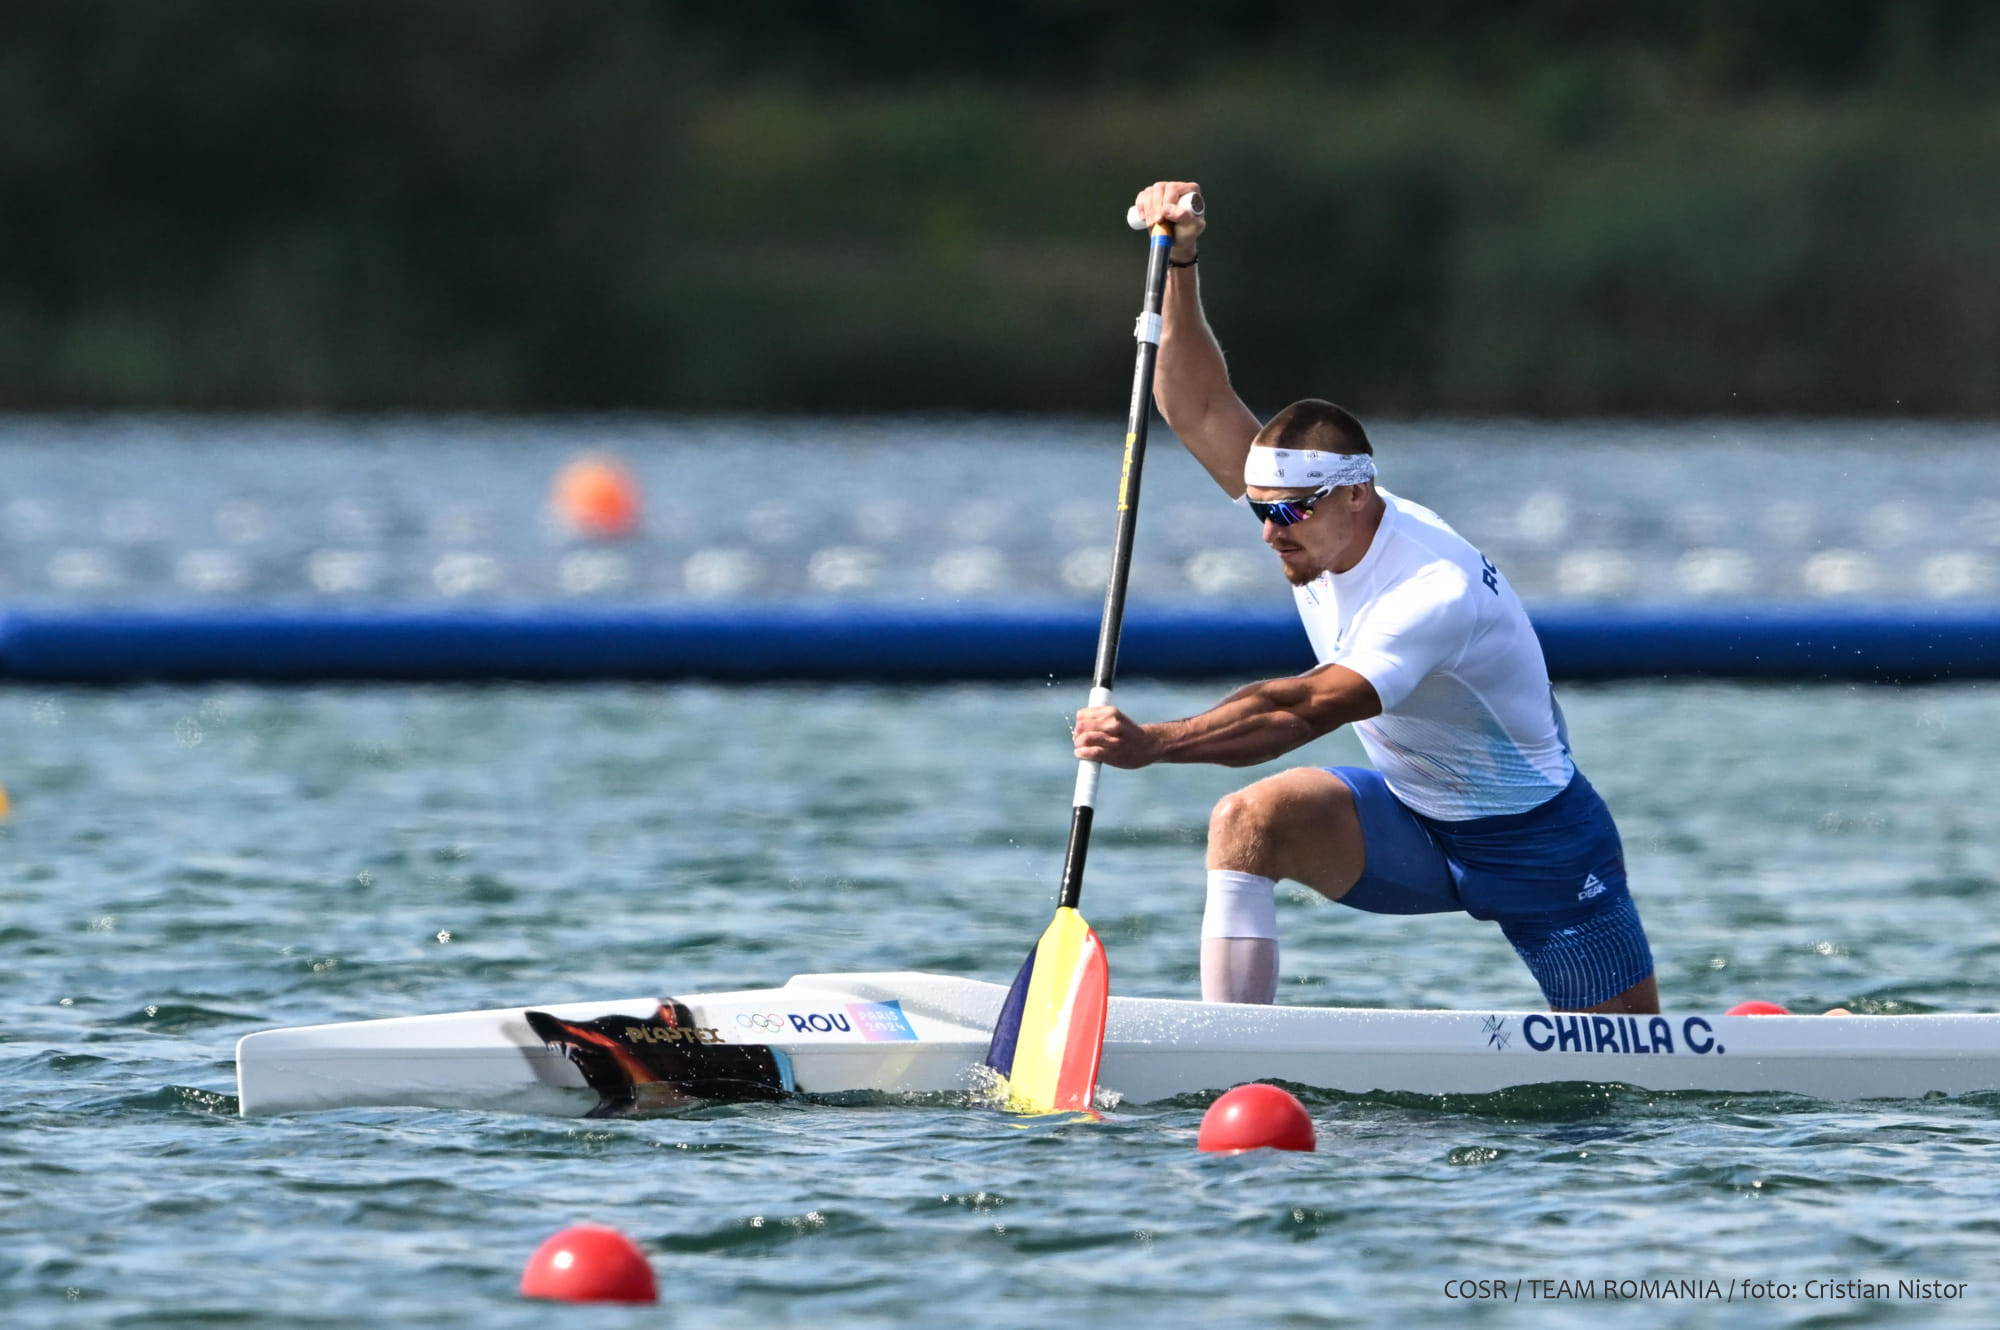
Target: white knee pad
<point x="1240" y="905"/>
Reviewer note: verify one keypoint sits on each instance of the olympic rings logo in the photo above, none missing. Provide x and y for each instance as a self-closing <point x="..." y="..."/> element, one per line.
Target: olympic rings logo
<point x="769" y="1021"/>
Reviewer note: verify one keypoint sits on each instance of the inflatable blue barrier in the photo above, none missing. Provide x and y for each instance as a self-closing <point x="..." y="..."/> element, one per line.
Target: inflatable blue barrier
<point x="1878" y="645"/>
<point x="884" y="643"/>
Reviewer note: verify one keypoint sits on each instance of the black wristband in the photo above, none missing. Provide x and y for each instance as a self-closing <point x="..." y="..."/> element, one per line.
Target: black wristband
<point x="1173" y="262"/>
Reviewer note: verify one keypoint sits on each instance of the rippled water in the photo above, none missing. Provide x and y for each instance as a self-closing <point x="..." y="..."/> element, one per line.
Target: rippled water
<point x="197" y="510"/>
<point x="184" y="866"/>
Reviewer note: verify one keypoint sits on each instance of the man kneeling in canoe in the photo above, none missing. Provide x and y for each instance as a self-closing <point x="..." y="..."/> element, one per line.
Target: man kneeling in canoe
<point x="1474" y="804"/>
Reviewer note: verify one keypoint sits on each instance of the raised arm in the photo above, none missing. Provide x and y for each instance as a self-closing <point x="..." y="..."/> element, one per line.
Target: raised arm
<point x="1251" y="725"/>
<point x="1192" y="382"/>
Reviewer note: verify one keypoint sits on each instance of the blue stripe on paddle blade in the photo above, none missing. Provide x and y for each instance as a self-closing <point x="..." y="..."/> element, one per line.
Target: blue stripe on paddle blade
<point x="1007" y="1030"/>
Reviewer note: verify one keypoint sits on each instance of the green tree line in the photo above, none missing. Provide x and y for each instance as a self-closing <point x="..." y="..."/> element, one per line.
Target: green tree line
<point x="1550" y="207"/>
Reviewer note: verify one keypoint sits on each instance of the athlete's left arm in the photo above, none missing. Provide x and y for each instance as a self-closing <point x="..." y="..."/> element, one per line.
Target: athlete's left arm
<point x="1251" y="725"/>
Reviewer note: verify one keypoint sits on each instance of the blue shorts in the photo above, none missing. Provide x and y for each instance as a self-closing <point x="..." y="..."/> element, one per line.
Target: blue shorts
<point x="1553" y="878"/>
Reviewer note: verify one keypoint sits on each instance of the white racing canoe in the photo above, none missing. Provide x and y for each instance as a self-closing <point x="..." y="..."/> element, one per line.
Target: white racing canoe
<point x="911" y="1033"/>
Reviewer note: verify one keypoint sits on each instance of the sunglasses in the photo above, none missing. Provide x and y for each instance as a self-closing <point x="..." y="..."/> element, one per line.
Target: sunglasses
<point x="1287" y="511"/>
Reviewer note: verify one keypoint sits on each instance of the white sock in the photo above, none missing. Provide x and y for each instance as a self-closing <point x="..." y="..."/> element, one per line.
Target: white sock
<point x="1239" y="969"/>
<point x="1240" y="905"/>
<point x="1239" y="938"/>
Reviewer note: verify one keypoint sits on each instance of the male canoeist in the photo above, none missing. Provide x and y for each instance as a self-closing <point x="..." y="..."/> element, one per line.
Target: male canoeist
<point x="1474" y="804"/>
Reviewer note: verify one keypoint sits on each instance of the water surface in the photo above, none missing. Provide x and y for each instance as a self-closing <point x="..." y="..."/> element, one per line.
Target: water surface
<point x="185" y="866"/>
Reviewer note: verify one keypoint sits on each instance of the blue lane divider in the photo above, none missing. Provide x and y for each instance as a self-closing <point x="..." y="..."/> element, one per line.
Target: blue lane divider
<point x="888" y="643"/>
<point x="1880" y="644"/>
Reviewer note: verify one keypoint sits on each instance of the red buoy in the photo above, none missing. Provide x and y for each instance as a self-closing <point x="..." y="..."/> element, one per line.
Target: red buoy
<point x="598" y="497"/>
<point x="1757" y="1008"/>
<point x="589" y="1263"/>
<point x="1256" y="1117"/>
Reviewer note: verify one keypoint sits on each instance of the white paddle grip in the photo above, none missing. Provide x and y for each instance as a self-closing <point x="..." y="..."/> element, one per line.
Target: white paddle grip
<point x="1088" y="772"/>
<point x="1086" y="784"/>
<point x="1190" y="200"/>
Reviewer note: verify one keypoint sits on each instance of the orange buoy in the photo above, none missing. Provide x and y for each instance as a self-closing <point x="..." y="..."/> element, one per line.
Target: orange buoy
<point x="597" y="496"/>
<point x="1757" y="1008"/>
<point x="589" y="1263"/>
<point x="1256" y="1117"/>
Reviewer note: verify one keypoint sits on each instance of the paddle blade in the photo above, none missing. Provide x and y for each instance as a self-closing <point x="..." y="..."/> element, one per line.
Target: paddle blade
<point x="1050" y="1034"/>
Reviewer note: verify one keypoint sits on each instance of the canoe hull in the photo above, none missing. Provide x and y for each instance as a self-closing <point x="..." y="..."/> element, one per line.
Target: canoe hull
<point x="911" y="1033"/>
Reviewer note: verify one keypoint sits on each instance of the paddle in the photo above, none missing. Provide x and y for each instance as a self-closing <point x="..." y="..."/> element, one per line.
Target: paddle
<point x="1050" y="1034"/>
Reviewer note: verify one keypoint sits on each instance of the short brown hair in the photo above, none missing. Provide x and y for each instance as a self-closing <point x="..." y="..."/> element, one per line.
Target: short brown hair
<point x="1314" y="423"/>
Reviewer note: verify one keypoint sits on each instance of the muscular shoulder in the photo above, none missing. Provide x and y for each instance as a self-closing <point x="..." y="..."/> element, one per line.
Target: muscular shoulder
<point x="1438" y="581"/>
<point x="1425" y="536"/>
<point x="1433" y="601"/>
<point x="1421" y="550"/>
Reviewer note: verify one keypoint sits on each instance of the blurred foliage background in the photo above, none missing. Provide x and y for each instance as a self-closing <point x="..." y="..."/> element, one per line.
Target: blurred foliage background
<point x="1548" y="207"/>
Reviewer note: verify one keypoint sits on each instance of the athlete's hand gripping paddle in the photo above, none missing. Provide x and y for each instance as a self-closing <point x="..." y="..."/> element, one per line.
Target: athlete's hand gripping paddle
<point x="1050" y="1034"/>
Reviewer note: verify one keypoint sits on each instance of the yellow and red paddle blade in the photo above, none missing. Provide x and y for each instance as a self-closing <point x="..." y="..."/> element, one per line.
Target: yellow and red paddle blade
<point x="1050" y="1034"/>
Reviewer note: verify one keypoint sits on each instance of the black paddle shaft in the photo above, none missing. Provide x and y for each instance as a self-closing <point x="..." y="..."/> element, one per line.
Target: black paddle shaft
<point x="1140" y="415"/>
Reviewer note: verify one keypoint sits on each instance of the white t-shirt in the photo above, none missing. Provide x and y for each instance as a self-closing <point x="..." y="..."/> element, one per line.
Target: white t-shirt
<point x="1469" y="725"/>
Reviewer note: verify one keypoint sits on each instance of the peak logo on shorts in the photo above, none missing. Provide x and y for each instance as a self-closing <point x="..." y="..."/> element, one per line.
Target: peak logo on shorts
<point x="1592" y="886"/>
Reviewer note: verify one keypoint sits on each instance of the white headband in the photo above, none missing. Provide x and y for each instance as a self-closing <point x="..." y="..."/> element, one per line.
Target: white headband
<point x="1305" y="468"/>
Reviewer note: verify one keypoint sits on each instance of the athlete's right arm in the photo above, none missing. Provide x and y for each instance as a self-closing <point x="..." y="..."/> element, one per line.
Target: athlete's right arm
<point x="1253" y="724"/>
<point x="1192" y="383"/>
